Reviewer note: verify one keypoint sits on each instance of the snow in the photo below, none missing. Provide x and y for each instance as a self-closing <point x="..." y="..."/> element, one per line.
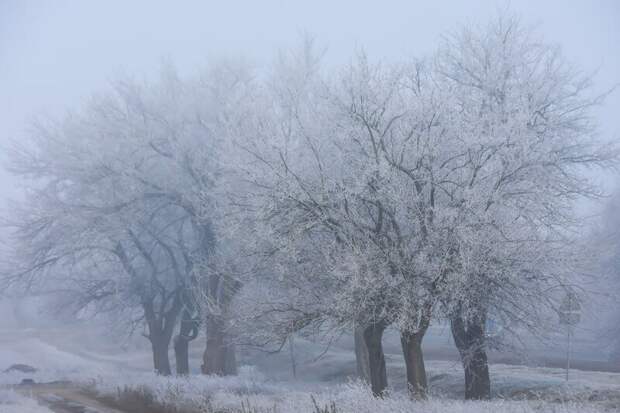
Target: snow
<point x="12" y="402"/>
<point x="294" y="202"/>
<point x="77" y="353"/>
<point x="52" y="363"/>
<point x="543" y="389"/>
<point x="228" y="394"/>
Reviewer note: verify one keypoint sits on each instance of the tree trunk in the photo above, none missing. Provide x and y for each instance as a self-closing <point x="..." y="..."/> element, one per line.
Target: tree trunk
<point x="230" y="360"/>
<point x="411" y="343"/>
<point x="161" y="362"/>
<point x="160" y="335"/>
<point x="214" y="356"/>
<point x="181" y="354"/>
<point x="219" y="356"/>
<point x="376" y="359"/>
<point x="187" y="332"/>
<point x="361" y="355"/>
<point x="470" y="341"/>
<point x="414" y="362"/>
<point x="160" y="325"/>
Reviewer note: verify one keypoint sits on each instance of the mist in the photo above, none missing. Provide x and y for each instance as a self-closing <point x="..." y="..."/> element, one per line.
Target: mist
<point x="309" y="207"/>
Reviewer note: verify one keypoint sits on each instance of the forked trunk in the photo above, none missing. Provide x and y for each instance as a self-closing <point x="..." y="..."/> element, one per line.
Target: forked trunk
<point x="470" y="341"/>
<point x="160" y="335"/>
<point x="373" y="335"/>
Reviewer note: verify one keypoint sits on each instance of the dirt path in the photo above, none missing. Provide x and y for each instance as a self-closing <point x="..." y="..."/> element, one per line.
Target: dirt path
<point x="64" y="397"/>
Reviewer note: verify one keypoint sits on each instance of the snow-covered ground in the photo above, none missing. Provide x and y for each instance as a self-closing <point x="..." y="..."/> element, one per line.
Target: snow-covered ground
<point x="13" y="402"/>
<point x="79" y="352"/>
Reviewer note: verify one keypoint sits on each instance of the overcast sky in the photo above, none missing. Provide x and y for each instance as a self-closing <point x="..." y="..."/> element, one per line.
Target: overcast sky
<point x="53" y="54"/>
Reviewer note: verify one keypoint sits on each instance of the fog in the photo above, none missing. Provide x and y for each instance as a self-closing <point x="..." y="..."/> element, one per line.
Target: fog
<point x="58" y="57"/>
<point x="53" y="55"/>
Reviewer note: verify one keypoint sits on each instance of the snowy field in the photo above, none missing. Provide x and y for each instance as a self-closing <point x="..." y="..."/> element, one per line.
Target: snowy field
<point x="526" y="389"/>
<point x="237" y="207"/>
<point x="79" y="355"/>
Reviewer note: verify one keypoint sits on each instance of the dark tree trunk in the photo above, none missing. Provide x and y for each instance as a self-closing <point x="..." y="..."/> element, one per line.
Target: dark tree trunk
<point x="181" y="355"/>
<point x="160" y="343"/>
<point x="214" y="356"/>
<point x="188" y="331"/>
<point x="161" y="326"/>
<point x="414" y="358"/>
<point x="414" y="362"/>
<point x="361" y="355"/>
<point x="376" y="359"/>
<point x="470" y="341"/>
<point x="161" y="362"/>
<point x="219" y="355"/>
<point x="230" y="360"/>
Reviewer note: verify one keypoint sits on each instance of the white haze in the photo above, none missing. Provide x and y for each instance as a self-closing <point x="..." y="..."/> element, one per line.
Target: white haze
<point x="55" y="54"/>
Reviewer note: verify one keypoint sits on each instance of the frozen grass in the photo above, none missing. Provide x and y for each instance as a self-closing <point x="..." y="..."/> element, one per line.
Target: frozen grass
<point x="62" y="354"/>
<point x="249" y="393"/>
<point x="516" y="388"/>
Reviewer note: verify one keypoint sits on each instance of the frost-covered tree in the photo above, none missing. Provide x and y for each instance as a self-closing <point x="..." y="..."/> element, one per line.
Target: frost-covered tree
<point x="297" y="171"/>
<point x="452" y="182"/>
<point x="74" y="237"/>
<point x="136" y="168"/>
<point x="522" y="137"/>
<point x="308" y="201"/>
<point x="333" y="176"/>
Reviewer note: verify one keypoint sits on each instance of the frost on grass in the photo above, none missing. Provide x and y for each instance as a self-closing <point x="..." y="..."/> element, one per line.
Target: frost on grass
<point x="252" y="392"/>
<point x="195" y="392"/>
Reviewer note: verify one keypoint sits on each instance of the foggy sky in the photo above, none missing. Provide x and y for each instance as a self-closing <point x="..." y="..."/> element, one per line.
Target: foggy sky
<point x="53" y="54"/>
